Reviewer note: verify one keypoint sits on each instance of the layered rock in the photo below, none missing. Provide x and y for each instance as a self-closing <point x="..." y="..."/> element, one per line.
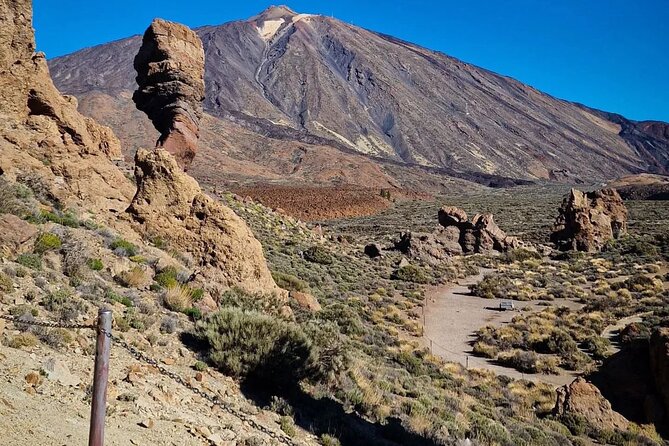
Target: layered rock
<point x="659" y="365"/>
<point x="44" y="140"/>
<point x="480" y="235"/>
<point x="584" y="399"/>
<point x="456" y="235"/>
<point x="170" y="78"/>
<point x="170" y="204"/>
<point x="588" y="220"/>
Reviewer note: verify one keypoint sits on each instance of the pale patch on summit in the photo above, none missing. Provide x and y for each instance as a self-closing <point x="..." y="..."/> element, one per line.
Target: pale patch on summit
<point x="269" y="28"/>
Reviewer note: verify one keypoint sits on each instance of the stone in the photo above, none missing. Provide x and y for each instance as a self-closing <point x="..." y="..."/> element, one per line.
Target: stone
<point x="584" y="399"/>
<point x="169" y="361"/>
<point x="451" y="216"/>
<point x="16" y="235"/>
<point x="170" y="204"/>
<point x="373" y="251"/>
<point x="199" y="377"/>
<point x="33" y="378"/>
<point x="56" y="371"/>
<point x="147" y="423"/>
<point x="588" y="220"/>
<point x="306" y="301"/>
<point x="170" y="78"/>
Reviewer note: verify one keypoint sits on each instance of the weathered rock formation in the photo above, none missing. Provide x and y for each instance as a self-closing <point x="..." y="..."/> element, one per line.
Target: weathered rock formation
<point x="584" y="399"/>
<point x="659" y="366"/>
<point x="170" y="204"/>
<point x="42" y="135"/>
<point x="456" y="235"/>
<point x="16" y="235"/>
<point x="586" y="221"/>
<point x="170" y="78"/>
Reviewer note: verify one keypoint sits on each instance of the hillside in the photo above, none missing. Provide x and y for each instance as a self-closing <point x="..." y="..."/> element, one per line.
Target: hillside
<point x="298" y="98"/>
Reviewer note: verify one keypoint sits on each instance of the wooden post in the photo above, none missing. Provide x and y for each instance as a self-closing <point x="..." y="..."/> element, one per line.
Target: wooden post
<point x="96" y="435"/>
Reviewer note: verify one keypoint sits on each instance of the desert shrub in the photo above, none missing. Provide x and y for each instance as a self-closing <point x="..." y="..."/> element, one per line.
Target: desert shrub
<point x="196" y="294"/>
<point x="57" y="337"/>
<point x="287" y="425"/>
<point x="32" y="261"/>
<point x="248" y="344"/>
<point x="15" y="199"/>
<point x="318" y="254"/>
<point x="123" y="248"/>
<point x="492" y="286"/>
<point x="133" y="278"/>
<point x="329" y="440"/>
<point x="575" y="360"/>
<point x="112" y="296"/>
<point x="47" y="242"/>
<point x="289" y="282"/>
<point x="6" y="283"/>
<point x="411" y="273"/>
<point x="22" y="340"/>
<point x="95" y="264"/>
<point x="520" y="255"/>
<point x="520" y="360"/>
<point x="194" y="313"/>
<point x="200" y="366"/>
<point x="137" y="259"/>
<point x="597" y="346"/>
<point x="178" y="298"/>
<point x="53" y="301"/>
<point x="236" y="297"/>
<point x="167" y="277"/>
<point x="64" y="218"/>
<point x="75" y="257"/>
<point x="169" y="325"/>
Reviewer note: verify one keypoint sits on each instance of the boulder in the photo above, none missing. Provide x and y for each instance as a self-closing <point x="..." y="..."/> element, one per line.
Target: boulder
<point x="306" y="301"/>
<point x="42" y="135"/>
<point x="170" y="78"/>
<point x="373" y="250"/>
<point x="584" y="399"/>
<point x="587" y="221"/>
<point x="16" y="235"/>
<point x="490" y="237"/>
<point x="170" y="204"/>
<point x="451" y="216"/>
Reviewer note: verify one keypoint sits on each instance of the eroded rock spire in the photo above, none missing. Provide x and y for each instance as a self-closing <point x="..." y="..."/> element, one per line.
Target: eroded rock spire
<point x="170" y="79"/>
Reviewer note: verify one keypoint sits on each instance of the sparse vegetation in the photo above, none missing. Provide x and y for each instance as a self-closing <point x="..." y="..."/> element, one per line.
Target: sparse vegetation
<point x="47" y="242"/>
<point x="32" y="261"/>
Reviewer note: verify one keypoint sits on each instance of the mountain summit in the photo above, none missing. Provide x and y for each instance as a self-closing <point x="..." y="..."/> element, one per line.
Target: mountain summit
<point x="307" y="98"/>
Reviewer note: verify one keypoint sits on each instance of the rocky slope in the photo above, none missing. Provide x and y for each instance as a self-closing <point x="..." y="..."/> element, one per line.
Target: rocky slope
<point x="284" y="88"/>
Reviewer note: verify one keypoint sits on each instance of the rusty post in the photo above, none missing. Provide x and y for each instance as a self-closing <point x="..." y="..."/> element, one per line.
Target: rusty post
<point x="96" y="435"/>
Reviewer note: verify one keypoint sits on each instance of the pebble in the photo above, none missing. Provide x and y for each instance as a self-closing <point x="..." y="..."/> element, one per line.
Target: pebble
<point x="33" y="378"/>
<point x="148" y="423"/>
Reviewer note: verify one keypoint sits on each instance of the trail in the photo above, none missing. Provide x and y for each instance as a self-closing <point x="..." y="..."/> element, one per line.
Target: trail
<point x="453" y="316"/>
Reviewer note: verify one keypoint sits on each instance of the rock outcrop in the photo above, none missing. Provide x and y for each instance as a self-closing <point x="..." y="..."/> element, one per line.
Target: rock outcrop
<point x="42" y="135"/>
<point x="480" y="235"/>
<point x="170" y="78"/>
<point x="584" y="399"/>
<point x="170" y="204"/>
<point x="16" y="235"/>
<point x="456" y="235"/>
<point x="659" y="365"/>
<point x="587" y="220"/>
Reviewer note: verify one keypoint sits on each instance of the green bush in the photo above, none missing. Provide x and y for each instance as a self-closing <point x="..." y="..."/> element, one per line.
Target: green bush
<point x="520" y="255"/>
<point x="411" y="273"/>
<point x="123" y="248"/>
<point x="167" y="278"/>
<point x="47" y="242"/>
<point x="329" y="440"/>
<point x="289" y="282"/>
<point x="318" y="254"/>
<point x="32" y="261"/>
<point x="6" y="283"/>
<point x="248" y="344"/>
<point x="95" y="264"/>
<point x="66" y="218"/>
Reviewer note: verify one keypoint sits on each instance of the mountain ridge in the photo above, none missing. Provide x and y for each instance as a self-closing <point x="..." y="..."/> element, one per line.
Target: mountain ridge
<point x="317" y="81"/>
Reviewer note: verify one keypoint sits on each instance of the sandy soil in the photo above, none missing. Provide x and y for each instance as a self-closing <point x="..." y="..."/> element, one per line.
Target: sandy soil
<point x="452" y="317"/>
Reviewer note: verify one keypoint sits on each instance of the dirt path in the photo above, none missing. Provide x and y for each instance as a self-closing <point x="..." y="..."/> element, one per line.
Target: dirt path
<point x="452" y="317"/>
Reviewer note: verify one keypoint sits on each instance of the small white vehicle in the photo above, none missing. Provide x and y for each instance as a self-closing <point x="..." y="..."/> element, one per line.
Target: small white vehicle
<point x="507" y="305"/>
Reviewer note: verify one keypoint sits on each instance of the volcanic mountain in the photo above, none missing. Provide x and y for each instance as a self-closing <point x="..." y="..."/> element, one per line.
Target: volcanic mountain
<point x="298" y="98"/>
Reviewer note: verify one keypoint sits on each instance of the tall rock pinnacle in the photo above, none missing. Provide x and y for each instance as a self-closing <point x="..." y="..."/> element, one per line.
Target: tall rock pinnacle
<point x="170" y="79"/>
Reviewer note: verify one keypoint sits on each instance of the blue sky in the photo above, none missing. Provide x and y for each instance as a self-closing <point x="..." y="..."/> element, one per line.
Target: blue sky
<point x="608" y="54"/>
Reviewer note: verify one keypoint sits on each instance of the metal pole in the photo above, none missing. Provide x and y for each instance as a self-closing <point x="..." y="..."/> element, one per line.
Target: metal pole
<point x="96" y="435"/>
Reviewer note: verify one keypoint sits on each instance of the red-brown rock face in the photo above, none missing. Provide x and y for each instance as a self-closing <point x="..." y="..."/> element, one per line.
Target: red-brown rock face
<point x="659" y="365"/>
<point x="170" y="78"/>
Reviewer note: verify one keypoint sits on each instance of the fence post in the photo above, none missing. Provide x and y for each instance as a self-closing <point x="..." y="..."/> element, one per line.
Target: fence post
<point x="96" y="436"/>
